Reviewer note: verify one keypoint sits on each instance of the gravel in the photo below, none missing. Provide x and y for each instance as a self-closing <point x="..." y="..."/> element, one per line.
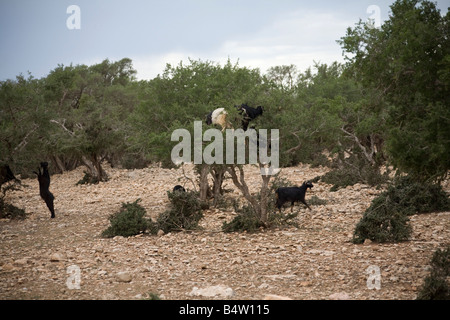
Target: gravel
<point x="66" y="258"/>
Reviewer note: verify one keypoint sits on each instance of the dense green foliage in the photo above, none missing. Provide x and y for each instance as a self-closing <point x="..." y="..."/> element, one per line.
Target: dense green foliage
<point x="382" y="225"/>
<point x="128" y="221"/>
<point x="10" y="211"/>
<point x="184" y="212"/>
<point x="247" y="220"/>
<point x="436" y="285"/>
<point x="386" y="220"/>
<point x="407" y="60"/>
<point x="80" y="115"/>
<point x="387" y="106"/>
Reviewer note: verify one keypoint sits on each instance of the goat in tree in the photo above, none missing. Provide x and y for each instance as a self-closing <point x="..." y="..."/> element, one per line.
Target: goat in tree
<point x="249" y="114"/>
<point x="218" y="116"/>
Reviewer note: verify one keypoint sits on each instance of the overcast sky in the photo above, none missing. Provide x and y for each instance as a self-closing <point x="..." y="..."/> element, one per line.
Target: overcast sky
<point x="35" y="36"/>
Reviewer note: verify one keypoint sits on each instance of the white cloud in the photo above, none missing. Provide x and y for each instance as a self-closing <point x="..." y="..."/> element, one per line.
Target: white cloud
<point x="298" y="38"/>
<point x="148" y="67"/>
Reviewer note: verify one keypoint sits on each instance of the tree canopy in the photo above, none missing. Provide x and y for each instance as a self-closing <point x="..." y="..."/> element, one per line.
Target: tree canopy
<point x="387" y="105"/>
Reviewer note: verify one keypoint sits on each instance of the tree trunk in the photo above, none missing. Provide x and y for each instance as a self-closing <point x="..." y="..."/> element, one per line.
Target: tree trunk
<point x="260" y="207"/>
<point x="94" y="167"/>
<point x="203" y="182"/>
<point x="264" y="196"/>
<point x="218" y="173"/>
<point x="58" y="164"/>
<point x="240" y="183"/>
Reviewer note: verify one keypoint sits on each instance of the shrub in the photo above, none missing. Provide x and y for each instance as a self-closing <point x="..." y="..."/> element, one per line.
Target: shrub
<point x="436" y="286"/>
<point x="88" y="179"/>
<point x="151" y="296"/>
<point x="354" y="171"/>
<point x="386" y="220"/>
<point x="184" y="214"/>
<point x="316" y="201"/>
<point x="411" y="196"/>
<point x="10" y="211"/>
<point x="7" y="210"/>
<point x="246" y="220"/>
<point x="382" y="225"/>
<point x="129" y="221"/>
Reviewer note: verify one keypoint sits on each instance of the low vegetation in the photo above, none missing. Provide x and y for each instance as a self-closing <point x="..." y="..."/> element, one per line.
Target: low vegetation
<point x="128" y="221"/>
<point x="436" y="285"/>
<point x="386" y="220"/>
<point x="184" y="213"/>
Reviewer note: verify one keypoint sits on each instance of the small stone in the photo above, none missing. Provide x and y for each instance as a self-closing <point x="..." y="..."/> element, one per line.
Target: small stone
<point x="160" y="233"/>
<point x="305" y="283"/>
<point x="213" y="291"/>
<point x="394" y="278"/>
<point x="339" y="296"/>
<point x="123" y="276"/>
<point x="21" y="262"/>
<point x="7" y="267"/>
<point x="56" y="257"/>
<point x="263" y="286"/>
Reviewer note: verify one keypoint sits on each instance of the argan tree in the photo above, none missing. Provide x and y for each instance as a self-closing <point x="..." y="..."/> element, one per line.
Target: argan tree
<point x="407" y="61"/>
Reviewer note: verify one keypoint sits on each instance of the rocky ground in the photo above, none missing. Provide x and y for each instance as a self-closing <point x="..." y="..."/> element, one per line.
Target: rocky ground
<point x="41" y="258"/>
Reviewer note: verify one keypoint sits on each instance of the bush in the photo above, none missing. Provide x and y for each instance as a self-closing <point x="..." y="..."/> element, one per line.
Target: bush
<point x="436" y="286"/>
<point x="411" y="196"/>
<point x="88" y="179"/>
<point x="354" y="171"/>
<point x="184" y="214"/>
<point x="129" y="221"/>
<point x="7" y="210"/>
<point x="382" y="225"/>
<point x="246" y="220"/>
<point x="386" y="220"/>
<point x="10" y="211"/>
<point x="316" y="201"/>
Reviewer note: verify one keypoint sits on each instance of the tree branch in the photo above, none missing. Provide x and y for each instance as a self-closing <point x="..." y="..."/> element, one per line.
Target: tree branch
<point x="24" y="141"/>
<point x="62" y="125"/>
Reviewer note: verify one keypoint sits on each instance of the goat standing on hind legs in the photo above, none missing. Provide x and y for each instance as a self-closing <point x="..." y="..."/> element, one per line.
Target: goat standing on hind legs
<point x="44" y="184"/>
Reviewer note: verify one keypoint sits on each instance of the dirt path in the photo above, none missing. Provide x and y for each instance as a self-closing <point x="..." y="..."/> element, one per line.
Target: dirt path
<point x="315" y="261"/>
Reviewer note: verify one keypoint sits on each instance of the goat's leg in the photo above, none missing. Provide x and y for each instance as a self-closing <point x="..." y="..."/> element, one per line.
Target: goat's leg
<point x="49" y="202"/>
<point x="304" y="202"/>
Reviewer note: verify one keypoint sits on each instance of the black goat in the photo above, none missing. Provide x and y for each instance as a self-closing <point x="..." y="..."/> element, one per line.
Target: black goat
<point x="44" y="184"/>
<point x="178" y="188"/>
<point x="292" y="194"/>
<point x="249" y="114"/>
<point x="6" y="174"/>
